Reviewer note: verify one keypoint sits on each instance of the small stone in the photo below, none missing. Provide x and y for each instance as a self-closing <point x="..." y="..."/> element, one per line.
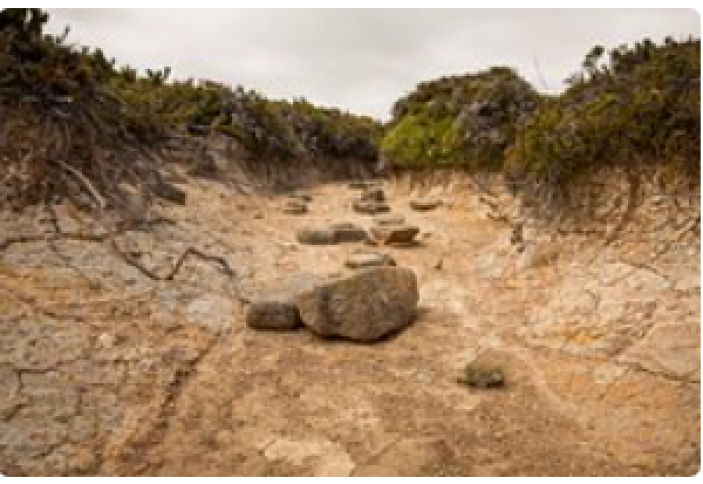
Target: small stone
<point x="106" y="341"/>
<point x="170" y="192"/>
<point x="273" y="313"/>
<point x="399" y="234"/>
<point x="425" y="203"/>
<point x="301" y="197"/>
<point x="374" y="194"/>
<point x="274" y="308"/>
<point x="258" y="215"/>
<point x="482" y="377"/>
<point x="370" y="207"/>
<point x="389" y="219"/>
<point x="348" y="232"/>
<point x="361" y="185"/>
<point x="294" y="207"/>
<point x="361" y="260"/>
<point x="316" y="236"/>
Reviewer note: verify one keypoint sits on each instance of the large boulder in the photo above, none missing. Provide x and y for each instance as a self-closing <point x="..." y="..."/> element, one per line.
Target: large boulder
<point x="364" y="306"/>
<point x="395" y="234"/>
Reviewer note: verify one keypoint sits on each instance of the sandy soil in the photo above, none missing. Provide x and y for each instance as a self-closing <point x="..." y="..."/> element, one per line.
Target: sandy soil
<point x="104" y="371"/>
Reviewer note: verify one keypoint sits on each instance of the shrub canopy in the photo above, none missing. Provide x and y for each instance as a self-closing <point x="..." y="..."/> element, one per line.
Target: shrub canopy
<point x="642" y="104"/>
<point x="459" y="121"/>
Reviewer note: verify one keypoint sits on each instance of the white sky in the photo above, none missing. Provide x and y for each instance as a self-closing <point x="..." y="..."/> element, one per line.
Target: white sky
<point x="362" y="60"/>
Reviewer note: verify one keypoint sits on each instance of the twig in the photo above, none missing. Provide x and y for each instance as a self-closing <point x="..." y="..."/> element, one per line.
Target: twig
<point x="98" y="198"/>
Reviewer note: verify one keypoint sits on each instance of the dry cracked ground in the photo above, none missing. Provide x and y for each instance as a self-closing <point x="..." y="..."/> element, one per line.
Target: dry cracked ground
<point x="105" y="371"/>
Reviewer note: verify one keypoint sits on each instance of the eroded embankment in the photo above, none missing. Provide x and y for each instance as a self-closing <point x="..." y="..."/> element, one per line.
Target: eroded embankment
<point x="106" y="369"/>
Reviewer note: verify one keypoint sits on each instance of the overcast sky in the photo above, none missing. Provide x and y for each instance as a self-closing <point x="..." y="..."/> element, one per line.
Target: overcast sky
<point x="362" y="60"/>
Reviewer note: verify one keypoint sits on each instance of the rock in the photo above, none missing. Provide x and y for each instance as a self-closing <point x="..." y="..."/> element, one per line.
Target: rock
<point x="389" y="219"/>
<point x="395" y="234"/>
<point x="316" y="236"/>
<point x="362" y="260"/>
<point x="374" y="194"/>
<point x="364" y="306"/>
<point x="274" y="307"/>
<point x="259" y="215"/>
<point x="482" y="377"/>
<point x="425" y="203"/>
<point x="301" y="197"/>
<point x="273" y="313"/>
<point x="295" y="207"/>
<point x="348" y="232"/>
<point x="335" y="234"/>
<point x="361" y="185"/>
<point x="370" y="207"/>
<point x="168" y="191"/>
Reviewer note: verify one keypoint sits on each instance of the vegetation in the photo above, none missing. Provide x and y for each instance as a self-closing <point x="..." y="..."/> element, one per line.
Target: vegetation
<point x="62" y="131"/>
<point x="76" y="125"/>
<point x="634" y="105"/>
<point x="465" y="121"/>
<point x="643" y="104"/>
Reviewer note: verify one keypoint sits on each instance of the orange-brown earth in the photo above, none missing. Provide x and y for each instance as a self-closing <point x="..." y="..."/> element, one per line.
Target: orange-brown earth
<point x="105" y="371"/>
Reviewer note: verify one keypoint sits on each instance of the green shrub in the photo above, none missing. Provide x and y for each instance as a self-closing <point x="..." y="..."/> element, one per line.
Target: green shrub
<point x="86" y="123"/>
<point x="641" y="105"/>
<point x="459" y="121"/>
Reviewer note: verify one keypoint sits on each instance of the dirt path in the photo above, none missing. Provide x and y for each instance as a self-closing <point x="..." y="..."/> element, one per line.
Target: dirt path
<point x="165" y="378"/>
